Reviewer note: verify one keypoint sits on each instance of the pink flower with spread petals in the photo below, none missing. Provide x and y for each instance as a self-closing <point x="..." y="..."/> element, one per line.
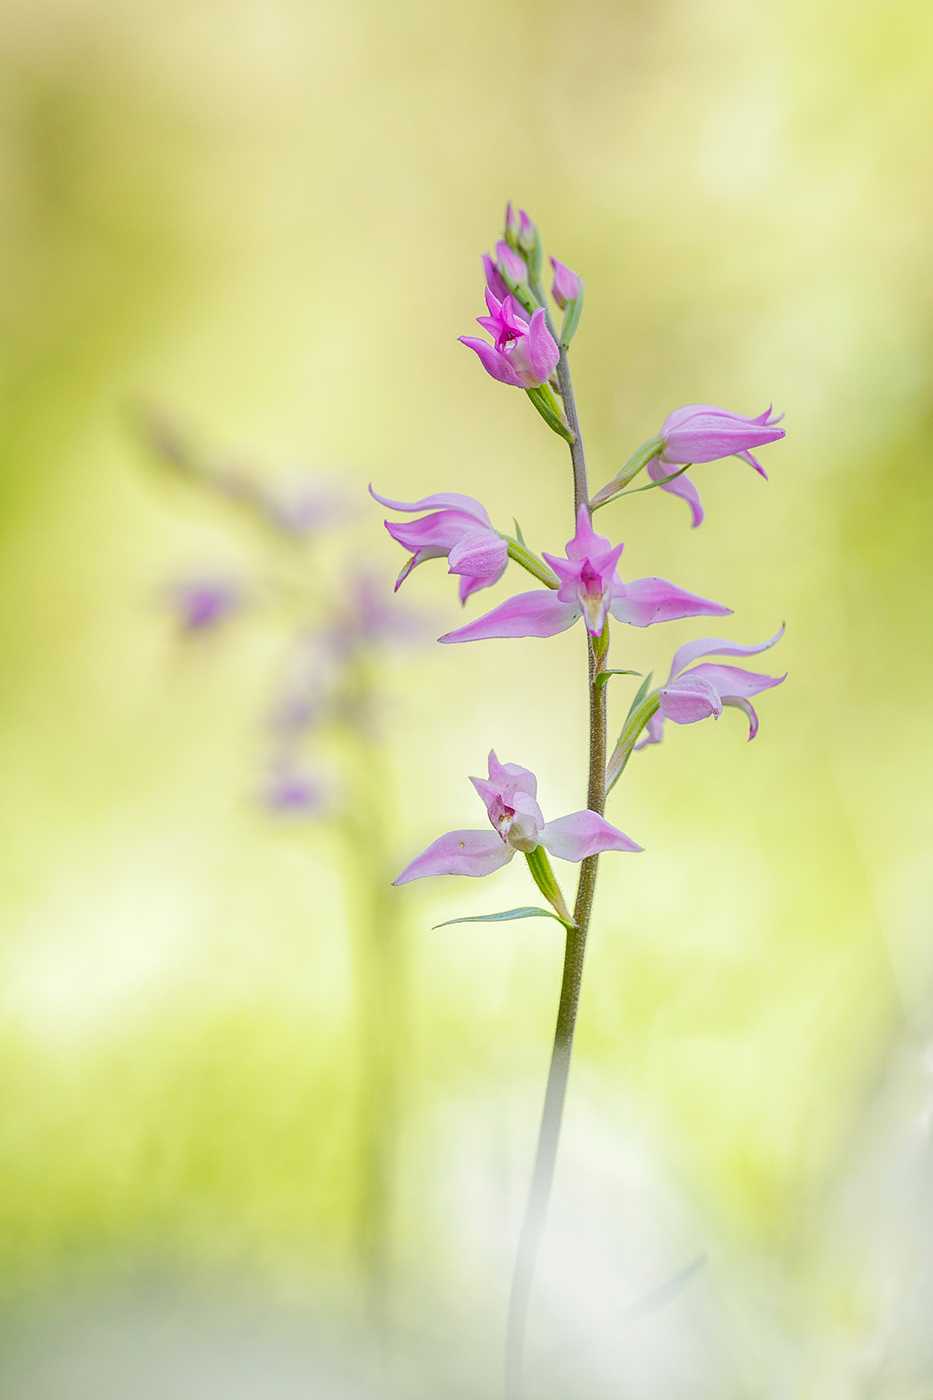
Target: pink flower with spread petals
<point x="524" y="353"/>
<point x="589" y="588"/>
<point x="459" y="530"/>
<point x="702" y="691"/>
<point x="510" y="797"/>
<point x="566" y="284"/>
<point x="701" y="432"/>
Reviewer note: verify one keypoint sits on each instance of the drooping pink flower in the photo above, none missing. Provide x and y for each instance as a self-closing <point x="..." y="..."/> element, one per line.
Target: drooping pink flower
<point x="589" y="588"/>
<point x="566" y="284"/>
<point x="524" y="353"/>
<point x="510" y="797"/>
<point x="459" y="529"/>
<point x="702" y="691"/>
<point x="701" y="432"/>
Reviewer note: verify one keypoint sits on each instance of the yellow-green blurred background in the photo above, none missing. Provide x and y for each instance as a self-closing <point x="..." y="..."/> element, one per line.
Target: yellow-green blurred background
<point x="267" y="216"/>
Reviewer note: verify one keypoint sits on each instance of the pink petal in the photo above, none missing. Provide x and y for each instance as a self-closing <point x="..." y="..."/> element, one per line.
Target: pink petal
<point x="542" y="349"/>
<point x="445" y="500"/>
<point x="469" y="585"/>
<point x="512" y="263"/>
<point x="584" y="834"/>
<point x="443" y="529"/>
<point x="689" y="698"/>
<point x="732" y="680"/>
<point x="479" y="554"/>
<point x="682" y="487"/>
<point x="654" y="731"/>
<point x="494" y="278"/>
<point x="717" y="646"/>
<point x="493" y="362"/>
<point x="649" y="600"/>
<point x="753" y="461"/>
<point x="513" y="774"/>
<point x="703" y="433"/>
<point x="537" y="614"/>
<point x="459" y="853"/>
<point x="586" y="544"/>
<point x="738" y="703"/>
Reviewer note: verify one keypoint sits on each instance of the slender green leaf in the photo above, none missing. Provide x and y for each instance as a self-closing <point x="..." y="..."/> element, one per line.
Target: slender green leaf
<point x="526" y="911"/>
<point x="642" y="692"/>
<point x="603" y="676"/>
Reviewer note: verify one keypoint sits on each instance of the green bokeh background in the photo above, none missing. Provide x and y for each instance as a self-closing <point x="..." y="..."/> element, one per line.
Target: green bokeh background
<point x="267" y="215"/>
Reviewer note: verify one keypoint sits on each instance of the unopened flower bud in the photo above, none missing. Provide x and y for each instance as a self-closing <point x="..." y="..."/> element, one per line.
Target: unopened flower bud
<point x="510" y="262"/>
<point x="566" y="284"/>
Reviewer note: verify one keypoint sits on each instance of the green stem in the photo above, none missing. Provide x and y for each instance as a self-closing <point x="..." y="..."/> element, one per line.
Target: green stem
<point x="574" y="950"/>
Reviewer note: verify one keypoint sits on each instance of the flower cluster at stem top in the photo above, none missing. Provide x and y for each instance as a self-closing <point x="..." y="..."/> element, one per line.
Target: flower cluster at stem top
<point x="525" y="351"/>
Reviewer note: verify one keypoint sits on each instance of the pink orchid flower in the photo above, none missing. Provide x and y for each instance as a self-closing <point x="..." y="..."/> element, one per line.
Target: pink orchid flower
<point x="701" y="432"/>
<point x="458" y="529"/>
<point x="702" y="691"/>
<point x="566" y="284"/>
<point x="524" y="353"/>
<point x="589" y="588"/>
<point x="514" y="264"/>
<point x="510" y="795"/>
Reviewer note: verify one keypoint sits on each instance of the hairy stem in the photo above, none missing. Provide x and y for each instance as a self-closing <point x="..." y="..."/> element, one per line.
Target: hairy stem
<point x="575" y="947"/>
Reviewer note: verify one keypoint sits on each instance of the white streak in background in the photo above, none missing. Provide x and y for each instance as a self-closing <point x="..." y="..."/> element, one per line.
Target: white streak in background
<point x="875" y="1278"/>
<point x="635" y="1288"/>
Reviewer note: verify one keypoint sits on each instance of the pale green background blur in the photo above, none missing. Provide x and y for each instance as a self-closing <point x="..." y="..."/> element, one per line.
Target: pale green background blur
<point x="268" y="216"/>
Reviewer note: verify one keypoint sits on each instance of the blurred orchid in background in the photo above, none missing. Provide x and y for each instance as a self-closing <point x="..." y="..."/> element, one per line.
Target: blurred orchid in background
<point x="330" y="698"/>
<point x="200" y="603"/>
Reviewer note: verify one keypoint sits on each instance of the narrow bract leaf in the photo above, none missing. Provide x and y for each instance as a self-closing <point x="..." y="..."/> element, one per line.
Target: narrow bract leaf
<point x="603" y="676"/>
<point x="642" y="692"/>
<point x="518" y="532"/>
<point x="526" y="911"/>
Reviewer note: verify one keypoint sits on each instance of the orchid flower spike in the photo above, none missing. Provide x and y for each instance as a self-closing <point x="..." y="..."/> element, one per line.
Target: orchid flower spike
<point x="510" y="796"/>
<point x="702" y="691"/>
<point x="590" y="588"/>
<point x="701" y="432"/>
<point x="524" y="353"/>
<point x="459" y="529"/>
